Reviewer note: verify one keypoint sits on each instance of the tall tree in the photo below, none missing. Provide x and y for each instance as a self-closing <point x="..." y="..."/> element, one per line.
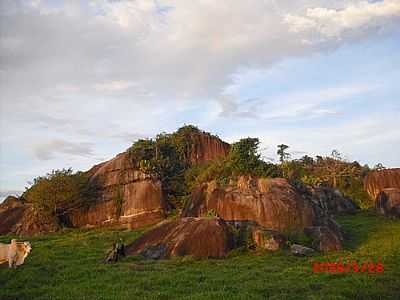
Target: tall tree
<point x="244" y="155"/>
<point x="283" y="155"/>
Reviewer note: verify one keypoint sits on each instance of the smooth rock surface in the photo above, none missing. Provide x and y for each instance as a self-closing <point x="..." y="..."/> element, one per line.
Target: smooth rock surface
<point x="198" y="237"/>
<point x="271" y="203"/>
<point x="126" y="196"/>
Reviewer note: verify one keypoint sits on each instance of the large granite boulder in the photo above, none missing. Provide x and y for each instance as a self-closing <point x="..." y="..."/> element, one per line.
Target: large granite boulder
<point x="330" y="200"/>
<point x="388" y="202"/>
<point x="376" y="181"/>
<point x="271" y="203"/>
<point x="198" y="237"/>
<point x="127" y="197"/>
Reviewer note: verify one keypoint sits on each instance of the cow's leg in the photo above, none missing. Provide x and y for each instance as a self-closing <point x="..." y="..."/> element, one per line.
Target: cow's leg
<point x="10" y="262"/>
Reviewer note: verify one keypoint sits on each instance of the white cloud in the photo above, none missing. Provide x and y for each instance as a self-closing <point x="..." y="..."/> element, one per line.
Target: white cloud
<point x="71" y="70"/>
<point x="111" y="86"/>
<point x="289" y="106"/>
<point x="47" y="150"/>
<point x="308" y="103"/>
<point x="356" y="18"/>
<point x="354" y="139"/>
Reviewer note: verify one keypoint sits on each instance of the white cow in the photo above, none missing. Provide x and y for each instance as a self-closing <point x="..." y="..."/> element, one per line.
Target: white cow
<point x="14" y="253"/>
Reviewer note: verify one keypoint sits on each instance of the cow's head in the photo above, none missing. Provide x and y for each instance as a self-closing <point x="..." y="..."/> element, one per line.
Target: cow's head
<point x="23" y="251"/>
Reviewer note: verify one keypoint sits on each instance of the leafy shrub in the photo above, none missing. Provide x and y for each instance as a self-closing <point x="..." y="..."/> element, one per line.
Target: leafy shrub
<point x="333" y="171"/>
<point x="59" y="191"/>
<point x="243" y="159"/>
<point x="211" y="213"/>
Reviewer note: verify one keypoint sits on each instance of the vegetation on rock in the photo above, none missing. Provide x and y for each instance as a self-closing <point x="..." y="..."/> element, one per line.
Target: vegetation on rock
<point x="332" y="171"/>
<point x="57" y="192"/>
<point x="168" y="157"/>
<point x="243" y="159"/>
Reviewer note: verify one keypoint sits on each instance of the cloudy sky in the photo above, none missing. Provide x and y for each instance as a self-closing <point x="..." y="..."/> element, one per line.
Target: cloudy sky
<point x="81" y="80"/>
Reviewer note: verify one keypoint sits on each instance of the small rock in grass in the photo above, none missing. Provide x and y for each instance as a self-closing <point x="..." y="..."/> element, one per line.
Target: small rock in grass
<point x="299" y="250"/>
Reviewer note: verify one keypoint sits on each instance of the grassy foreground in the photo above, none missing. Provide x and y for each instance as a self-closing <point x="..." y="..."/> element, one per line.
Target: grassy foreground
<point x="69" y="265"/>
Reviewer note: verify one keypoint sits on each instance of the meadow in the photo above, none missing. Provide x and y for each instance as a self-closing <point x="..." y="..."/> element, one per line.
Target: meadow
<point x="69" y="265"/>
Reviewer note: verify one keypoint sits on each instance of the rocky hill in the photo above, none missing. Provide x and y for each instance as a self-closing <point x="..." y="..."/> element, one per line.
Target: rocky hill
<point x="137" y="187"/>
<point x="126" y="195"/>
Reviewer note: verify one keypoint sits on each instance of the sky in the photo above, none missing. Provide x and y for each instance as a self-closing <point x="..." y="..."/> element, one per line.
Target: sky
<point x="80" y="81"/>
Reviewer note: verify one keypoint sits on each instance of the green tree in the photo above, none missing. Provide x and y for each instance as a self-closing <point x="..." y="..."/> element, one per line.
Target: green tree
<point x="379" y="167"/>
<point x="59" y="191"/>
<point x="244" y="156"/>
<point x="283" y="155"/>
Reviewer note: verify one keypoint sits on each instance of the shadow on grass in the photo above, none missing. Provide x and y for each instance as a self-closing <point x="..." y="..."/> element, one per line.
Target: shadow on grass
<point x="360" y="227"/>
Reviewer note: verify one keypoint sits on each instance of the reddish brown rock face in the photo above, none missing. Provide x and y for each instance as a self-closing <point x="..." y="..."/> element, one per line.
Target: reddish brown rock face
<point x="140" y="195"/>
<point x="11" y="212"/>
<point x="127" y="196"/>
<point x="376" y="181"/>
<point x="17" y="217"/>
<point x="388" y="202"/>
<point x="199" y="237"/>
<point x="271" y="203"/>
<point x="206" y="147"/>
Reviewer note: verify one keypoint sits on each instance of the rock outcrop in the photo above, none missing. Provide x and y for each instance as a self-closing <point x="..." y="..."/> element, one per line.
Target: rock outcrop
<point x="11" y="212"/>
<point x="198" y="237"/>
<point x="376" y="181"/>
<point x="329" y="199"/>
<point x="271" y="203"/>
<point x="388" y="202"/>
<point x="126" y="196"/>
<point x="18" y="217"/>
<point x="205" y="147"/>
<point x="260" y="205"/>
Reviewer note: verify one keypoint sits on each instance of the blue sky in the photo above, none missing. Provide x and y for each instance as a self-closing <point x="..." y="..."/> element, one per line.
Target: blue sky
<point x="81" y="80"/>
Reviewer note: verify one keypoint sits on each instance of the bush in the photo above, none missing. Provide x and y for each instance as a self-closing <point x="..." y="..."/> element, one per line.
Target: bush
<point x="244" y="157"/>
<point x="59" y="191"/>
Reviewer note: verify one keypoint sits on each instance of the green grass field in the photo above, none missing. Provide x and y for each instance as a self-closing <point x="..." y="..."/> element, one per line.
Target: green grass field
<point x="69" y="265"/>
